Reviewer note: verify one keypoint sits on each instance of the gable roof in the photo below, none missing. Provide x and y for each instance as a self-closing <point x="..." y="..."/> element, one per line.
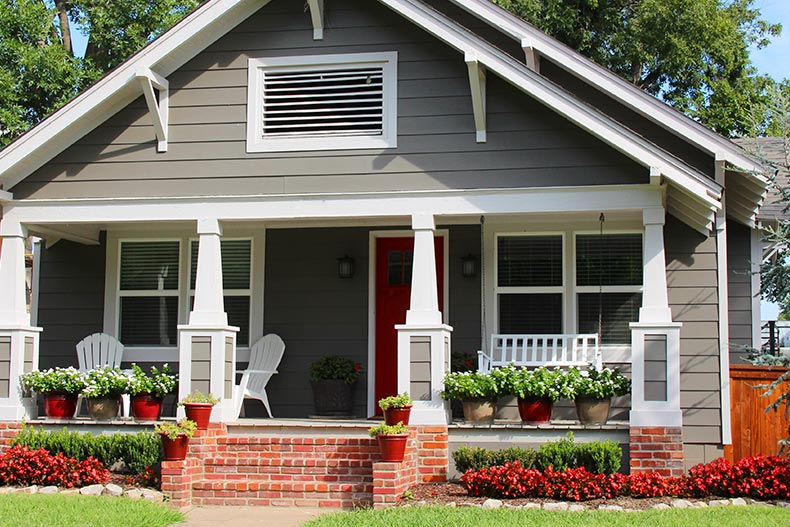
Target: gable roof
<point x="693" y="196"/>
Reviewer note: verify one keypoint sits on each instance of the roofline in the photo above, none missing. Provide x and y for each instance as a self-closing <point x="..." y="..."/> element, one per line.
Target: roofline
<point x="610" y="83"/>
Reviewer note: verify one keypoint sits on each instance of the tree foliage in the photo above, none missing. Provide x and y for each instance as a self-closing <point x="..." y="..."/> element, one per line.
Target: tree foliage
<point x="39" y="71"/>
<point x="693" y="54"/>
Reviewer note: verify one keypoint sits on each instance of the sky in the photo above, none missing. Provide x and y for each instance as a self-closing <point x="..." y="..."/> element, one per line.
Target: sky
<point x="775" y="58"/>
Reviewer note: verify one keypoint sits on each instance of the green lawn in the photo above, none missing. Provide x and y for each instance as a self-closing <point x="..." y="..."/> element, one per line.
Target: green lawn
<point x="39" y="510"/>
<point x="751" y="516"/>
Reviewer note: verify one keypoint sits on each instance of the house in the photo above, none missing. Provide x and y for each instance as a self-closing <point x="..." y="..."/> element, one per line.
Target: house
<point x="259" y="141"/>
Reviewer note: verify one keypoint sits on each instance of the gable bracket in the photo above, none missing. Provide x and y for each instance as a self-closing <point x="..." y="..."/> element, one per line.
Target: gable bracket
<point x="6" y="196"/>
<point x="477" y="83"/>
<point x="317" y="14"/>
<point x="531" y="54"/>
<point x="158" y="108"/>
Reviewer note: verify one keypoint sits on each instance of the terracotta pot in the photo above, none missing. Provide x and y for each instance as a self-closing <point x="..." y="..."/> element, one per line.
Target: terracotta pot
<point x="592" y="411"/>
<point x="175" y="449"/>
<point x="200" y="413"/>
<point x="103" y="408"/>
<point x="535" y="409"/>
<point x="479" y="410"/>
<point x="392" y="447"/>
<point x="393" y="416"/>
<point x="146" y="407"/>
<point x="60" y="405"/>
<point x="333" y="398"/>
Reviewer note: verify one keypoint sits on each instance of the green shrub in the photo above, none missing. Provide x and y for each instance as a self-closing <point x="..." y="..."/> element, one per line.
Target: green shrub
<point x="137" y="451"/>
<point x="599" y="457"/>
<point x="558" y="454"/>
<point x="477" y="457"/>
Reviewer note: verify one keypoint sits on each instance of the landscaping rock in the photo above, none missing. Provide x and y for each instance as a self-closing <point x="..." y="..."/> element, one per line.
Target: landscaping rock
<point x="576" y="507"/>
<point x="134" y="494"/>
<point x="738" y="501"/>
<point x="531" y="506"/>
<point x="610" y="508"/>
<point x="92" y="490"/>
<point x="451" y="504"/>
<point x="70" y="491"/>
<point x="48" y="490"/>
<point x="112" y="490"/>
<point x="492" y="504"/>
<point x="699" y="505"/>
<point x="153" y="495"/>
<point x="718" y="503"/>
<point x="783" y="504"/>
<point x="682" y="504"/>
<point x="558" y="506"/>
<point x="33" y="489"/>
<point x="661" y="506"/>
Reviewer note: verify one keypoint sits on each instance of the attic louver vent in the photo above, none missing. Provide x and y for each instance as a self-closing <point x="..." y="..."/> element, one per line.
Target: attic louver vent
<point x="324" y="102"/>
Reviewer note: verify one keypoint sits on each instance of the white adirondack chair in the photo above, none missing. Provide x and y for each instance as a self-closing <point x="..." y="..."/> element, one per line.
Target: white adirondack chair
<point x="265" y="356"/>
<point x="97" y="351"/>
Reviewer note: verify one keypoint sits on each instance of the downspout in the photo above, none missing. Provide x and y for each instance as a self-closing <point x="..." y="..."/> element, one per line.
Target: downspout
<point x="724" y="306"/>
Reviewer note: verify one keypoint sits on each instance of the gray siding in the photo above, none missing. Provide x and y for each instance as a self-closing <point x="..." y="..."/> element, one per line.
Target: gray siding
<point x="528" y="145"/>
<point x="692" y="284"/>
<point x="420" y="385"/>
<point x="71" y="299"/>
<point x="740" y="289"/>
<point x="5" y="366"/>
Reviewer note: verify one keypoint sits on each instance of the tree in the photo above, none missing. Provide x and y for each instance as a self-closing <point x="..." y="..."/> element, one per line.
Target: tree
<point x="693" y="54"/>
<point x="39" y="72"/>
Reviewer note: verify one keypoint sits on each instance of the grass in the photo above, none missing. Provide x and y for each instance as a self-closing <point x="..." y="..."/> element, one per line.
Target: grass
<point x="43" y="510"/>
<point x="753" y="516"/>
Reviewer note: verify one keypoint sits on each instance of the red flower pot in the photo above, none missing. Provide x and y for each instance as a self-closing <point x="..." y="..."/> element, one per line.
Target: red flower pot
<point x="146" y="407"/>
<point x="535" y="409"/>
<point x="392" y="447"/>
<point x="200" y="413"/>
<point x="175" y="449"/>
<point x="60" y="405"/>
<point x="393" y="416"/>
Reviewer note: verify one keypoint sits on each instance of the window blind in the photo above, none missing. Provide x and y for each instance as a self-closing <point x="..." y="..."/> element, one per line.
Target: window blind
<point x="149" y="266"/>
<point x="611" y="259"/>
<point x="529" y="261"/>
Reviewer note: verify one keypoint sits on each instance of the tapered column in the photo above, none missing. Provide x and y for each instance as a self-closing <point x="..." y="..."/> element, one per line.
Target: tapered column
<point x="655" y="303"/>
<point x="13" y="311"/>
<point x="424" y="306"/>
<point x="209" y="306"/>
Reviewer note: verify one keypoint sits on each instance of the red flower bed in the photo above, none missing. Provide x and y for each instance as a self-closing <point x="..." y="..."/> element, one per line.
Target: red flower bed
<point x="22" y="466"/>
<point x="756" y="477"/>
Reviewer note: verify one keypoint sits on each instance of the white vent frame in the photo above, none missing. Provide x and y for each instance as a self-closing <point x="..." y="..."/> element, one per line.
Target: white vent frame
<point x="258" y="66"/>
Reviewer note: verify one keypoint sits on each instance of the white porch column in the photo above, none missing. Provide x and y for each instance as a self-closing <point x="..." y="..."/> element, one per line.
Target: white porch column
<point x="18" y="340"/>
<point x="655" y="395"/>
<point x="424" y="341"/>
<point x="207" y="344"/>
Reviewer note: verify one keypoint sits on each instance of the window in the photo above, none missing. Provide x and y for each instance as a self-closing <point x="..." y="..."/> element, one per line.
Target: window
<point x="529" y="284"/>
<point x="608" y="284"/>
<point x="150" y="292"/>
<point x="148" y="283"/>
<point x="236" y="258"/>
<point x="322" y="102"/>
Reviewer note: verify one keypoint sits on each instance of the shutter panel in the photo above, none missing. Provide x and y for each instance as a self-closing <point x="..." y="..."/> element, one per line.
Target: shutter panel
<point x="348" y="101"/>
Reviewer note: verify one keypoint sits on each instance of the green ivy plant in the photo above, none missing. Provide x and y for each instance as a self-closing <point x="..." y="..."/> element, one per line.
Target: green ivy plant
<point x="334" y="367"/>
<point x="395" y="401"/>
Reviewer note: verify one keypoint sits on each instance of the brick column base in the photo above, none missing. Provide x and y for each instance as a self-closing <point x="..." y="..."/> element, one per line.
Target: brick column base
<point x="8" y="431"/>
<point x="178" y="477"/>
<point x="657" y="449"/>
<point x="433" y="453"/>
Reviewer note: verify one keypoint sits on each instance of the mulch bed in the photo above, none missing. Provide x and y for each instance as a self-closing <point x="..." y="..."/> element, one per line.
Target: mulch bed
<point x="446" y="493"/>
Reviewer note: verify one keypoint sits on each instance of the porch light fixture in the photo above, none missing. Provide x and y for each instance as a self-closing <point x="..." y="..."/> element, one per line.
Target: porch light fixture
<point x="345" y="267"/>
<point x="469" y="266"/>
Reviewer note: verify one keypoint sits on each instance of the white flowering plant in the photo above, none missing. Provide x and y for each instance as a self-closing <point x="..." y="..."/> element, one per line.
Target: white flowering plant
<point x="539" y="382"/>
<point x="469" y="385"/>
<point x="105" y="382"/>
<point x="598" y="384"/>
<point x="65" y="380"/>
<point x="158" y="383"/>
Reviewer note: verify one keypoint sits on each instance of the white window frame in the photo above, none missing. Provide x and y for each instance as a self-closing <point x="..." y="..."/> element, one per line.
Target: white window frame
<point x="561" y="289"/>
<point x="256" y="67"/>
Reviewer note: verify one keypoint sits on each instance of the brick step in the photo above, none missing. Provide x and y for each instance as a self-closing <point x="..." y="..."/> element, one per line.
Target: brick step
<point x="283" y="493"/>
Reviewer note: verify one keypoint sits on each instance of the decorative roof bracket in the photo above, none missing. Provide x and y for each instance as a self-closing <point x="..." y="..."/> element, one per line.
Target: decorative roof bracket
<point x="157" y="107"/>
<point x="531" y="55"/>
<point x="477" y="83"/>
<point x="317" y="14"/>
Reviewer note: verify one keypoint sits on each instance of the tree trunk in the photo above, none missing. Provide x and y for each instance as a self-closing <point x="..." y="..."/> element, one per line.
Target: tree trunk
<point x="65" y="30"/>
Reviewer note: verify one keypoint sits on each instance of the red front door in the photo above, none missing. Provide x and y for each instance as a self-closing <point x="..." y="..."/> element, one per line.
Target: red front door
<point x="394" y="258"/>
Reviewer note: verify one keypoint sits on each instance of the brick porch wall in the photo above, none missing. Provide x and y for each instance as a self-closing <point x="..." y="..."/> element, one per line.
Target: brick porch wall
<point x="657" y="449"/>
<point x="8" y="431"/>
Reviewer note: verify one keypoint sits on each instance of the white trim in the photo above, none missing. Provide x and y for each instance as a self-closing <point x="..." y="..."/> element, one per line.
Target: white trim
<point x="477" y="84"/>
<point x="587" y="70"/>
<point x="158" y="108"/>
<point x="373" y="236"/>
<point x="83" y="234"/>
<point x="388" y="61"/>
<point x="35" y="285"/>
<point x="755" y="257"/>
<point x="6" y="196"/>
<point x="317" y="17"/>
<point x="531" y="55"/>
<point x="722" y="250"/>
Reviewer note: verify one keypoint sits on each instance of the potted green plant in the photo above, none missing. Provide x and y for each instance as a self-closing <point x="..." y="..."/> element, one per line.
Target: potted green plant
<point x="197" y="407"/>
<point x="391" y="440"/>
<point x="476" y="391"/>
<point x="175" y="438"/>
<point x="396" y="408"/>
<point x="333" y="379"/>
<point x="103" y="390"/>
<point x="147" y="391"/>
<point x="592" y="391"/>
<point x="536" y="389"/>
<point x="59" y="387"/>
